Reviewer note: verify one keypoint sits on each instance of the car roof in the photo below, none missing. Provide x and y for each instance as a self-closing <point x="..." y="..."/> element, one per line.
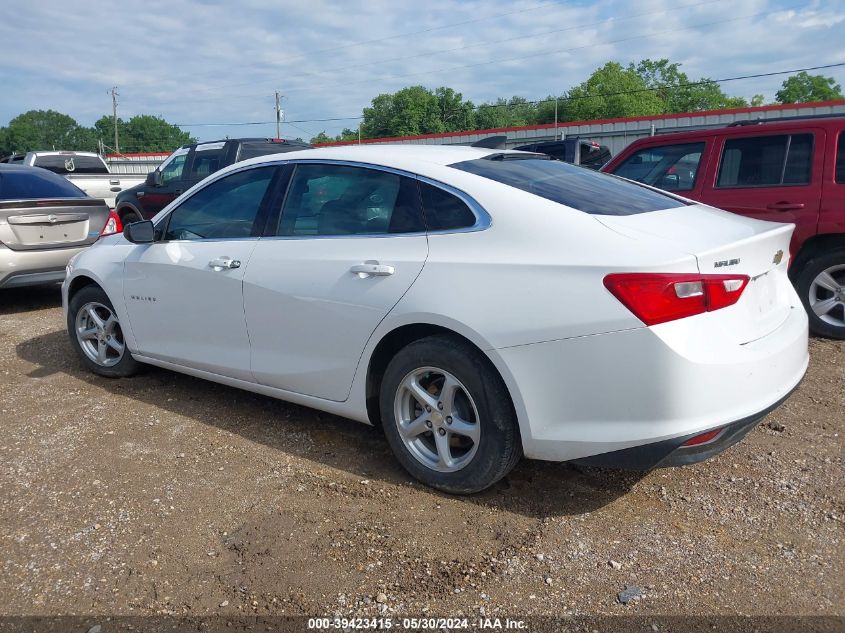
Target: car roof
<point x="405" y="156"/>
<point x="742" y="128"/>
<point x="19" y="168"/>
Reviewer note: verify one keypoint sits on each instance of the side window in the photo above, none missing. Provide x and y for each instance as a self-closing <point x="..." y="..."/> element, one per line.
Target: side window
<point x="766" y="161"/>
<point x="225" y="209"/>
<point x="669" y="167"/>
<point x="444" y="211"/>
<point x="208" y="158"/>
<point x="840" y="159"/>
<point x="172" y="170"/>
<point x="327" y="200"/>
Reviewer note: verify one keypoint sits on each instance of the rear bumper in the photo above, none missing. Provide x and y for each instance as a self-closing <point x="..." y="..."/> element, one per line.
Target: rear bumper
<point x="673" y="452"/>
<point x="649" y="387"/>
<point x="31" y="268"/>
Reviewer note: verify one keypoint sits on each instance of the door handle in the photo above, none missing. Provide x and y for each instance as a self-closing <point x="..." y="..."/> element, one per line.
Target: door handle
<point x="372" y="268"/>
<point x="222" y="263"/>
<point x="785" y="206"/>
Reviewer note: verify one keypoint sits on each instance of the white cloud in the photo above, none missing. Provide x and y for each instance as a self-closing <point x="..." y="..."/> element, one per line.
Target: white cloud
<point x="207" y="61"/>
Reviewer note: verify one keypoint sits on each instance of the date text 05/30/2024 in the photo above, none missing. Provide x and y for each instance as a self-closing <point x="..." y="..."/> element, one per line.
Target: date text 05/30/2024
<point x="432" y="624"/>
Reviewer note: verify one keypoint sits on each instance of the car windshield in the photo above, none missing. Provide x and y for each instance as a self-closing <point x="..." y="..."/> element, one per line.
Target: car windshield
<point x="576" y="187"/>
<point x="32" y="184"/>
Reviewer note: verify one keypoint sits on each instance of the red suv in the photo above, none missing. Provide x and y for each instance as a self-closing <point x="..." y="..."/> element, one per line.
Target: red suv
<point x="785" y="170"/>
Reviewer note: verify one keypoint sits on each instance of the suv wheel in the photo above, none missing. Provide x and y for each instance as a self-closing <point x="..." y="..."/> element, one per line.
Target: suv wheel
<point x="448" y="416"/>
<point x="821" y="285"/>
<point x="96" y="335"/>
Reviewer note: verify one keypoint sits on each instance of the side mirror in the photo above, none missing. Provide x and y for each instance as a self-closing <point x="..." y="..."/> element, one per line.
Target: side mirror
<point x="140" y="232"/>
<point x="154" y="179"/>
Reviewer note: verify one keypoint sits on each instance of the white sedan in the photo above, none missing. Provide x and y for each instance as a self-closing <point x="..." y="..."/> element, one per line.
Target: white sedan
<point x="478" y="305"/>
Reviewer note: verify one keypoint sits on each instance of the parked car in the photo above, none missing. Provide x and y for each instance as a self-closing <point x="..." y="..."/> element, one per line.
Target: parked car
<point x="44" y="221"/>
<point x="787" y="170"/>
<point x="575" y="150"/>
<point x="187" y="166"/>
<point x="86" y="170"/>
<point x="477" y="304"/>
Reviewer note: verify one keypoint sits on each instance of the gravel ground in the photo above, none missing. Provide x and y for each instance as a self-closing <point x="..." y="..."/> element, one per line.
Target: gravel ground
<point x="165" y="494"/>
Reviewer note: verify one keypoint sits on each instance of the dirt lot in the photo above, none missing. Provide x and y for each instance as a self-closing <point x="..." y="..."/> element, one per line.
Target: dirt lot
<point x="167" y="494"/>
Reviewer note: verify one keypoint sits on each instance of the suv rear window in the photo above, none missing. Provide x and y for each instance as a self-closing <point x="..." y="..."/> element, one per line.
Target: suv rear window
<point x="576" y="187"/>
<point x="68" y="164"/>
<point x="766" y="161"/>
<point x="32" y="184"/>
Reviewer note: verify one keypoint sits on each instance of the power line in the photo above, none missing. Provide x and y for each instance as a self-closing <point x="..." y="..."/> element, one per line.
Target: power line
<point x="549" y="100"/>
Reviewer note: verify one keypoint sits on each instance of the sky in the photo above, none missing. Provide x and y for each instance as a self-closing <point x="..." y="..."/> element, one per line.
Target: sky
<point x="208" y="64"/>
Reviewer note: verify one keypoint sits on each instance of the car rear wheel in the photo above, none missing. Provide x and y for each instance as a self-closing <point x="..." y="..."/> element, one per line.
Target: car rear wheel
<point x="821" y="285"/>
<point x="448" y="417"/>
<point x="97" y="336"/>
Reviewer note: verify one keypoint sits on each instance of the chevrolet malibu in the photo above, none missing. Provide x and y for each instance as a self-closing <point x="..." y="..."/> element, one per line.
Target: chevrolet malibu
<point x="478" y="305"/>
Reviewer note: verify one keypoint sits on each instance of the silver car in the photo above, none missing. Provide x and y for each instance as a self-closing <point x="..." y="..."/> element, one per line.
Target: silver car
<point x="44" y="221"/>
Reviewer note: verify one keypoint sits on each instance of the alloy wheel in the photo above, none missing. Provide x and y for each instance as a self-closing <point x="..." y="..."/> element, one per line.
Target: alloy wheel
<point x="99" y="335"/>
<point x="827" y="295"/>
<point x="437" y="419"/>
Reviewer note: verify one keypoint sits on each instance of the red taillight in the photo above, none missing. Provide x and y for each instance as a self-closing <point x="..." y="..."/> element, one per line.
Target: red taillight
<point x="703" y="438"/>
<point x="660" y="297"/>
<point x="113" y="224"/>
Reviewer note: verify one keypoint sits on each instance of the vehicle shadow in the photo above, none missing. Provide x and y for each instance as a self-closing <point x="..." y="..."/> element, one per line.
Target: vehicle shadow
<point x="534" y="488"/>
<point x="16" y="300"/>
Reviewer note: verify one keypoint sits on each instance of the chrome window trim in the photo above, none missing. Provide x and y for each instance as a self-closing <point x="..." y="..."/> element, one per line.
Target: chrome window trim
<point x="483" y="220"/>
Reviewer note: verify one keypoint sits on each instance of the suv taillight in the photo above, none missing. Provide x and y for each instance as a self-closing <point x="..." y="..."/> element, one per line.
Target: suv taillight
<point x="660" y="297"/>
<point x="113" y="224"/>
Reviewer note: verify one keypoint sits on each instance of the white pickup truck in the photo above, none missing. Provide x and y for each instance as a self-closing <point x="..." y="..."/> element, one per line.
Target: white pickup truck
<point x="86" y="170"/>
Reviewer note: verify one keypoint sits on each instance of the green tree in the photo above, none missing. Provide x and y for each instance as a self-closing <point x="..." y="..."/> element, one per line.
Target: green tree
<point x="611" y="91"/>
<point x="505" y="113"/>
<point x="757" y="100"/>
<point x="803" y="88"/>
<point x="45" y="130"/>
<point x="417" y="110"/>
<point x="142" y="133"/>
<point x="678" y="92"/>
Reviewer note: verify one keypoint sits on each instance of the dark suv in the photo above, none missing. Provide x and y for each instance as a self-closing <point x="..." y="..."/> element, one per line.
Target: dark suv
<point x="187" y="166"/>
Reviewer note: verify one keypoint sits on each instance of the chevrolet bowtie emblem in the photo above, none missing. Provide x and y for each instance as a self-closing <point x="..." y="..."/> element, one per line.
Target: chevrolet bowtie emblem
<point x="778" y="258"/>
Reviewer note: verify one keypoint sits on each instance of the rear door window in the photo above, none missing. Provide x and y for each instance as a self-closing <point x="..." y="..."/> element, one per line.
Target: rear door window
<point x="669" y="167"/>
<point x="327" y="200"/>
<point x="576" y="187"/>
<point x="766" y="161"/>
<point x="208" y="158"/>
<point x="32" y="184"/>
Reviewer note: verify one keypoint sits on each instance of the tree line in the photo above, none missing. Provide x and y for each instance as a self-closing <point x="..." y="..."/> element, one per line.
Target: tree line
<point x="648" y="87"/>
<point x="48" y="129"/>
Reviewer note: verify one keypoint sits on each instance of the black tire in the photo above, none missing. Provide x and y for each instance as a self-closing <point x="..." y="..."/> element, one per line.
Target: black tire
<point x="499" y="447"/>
<point x="126" y="365"/>
<point x="128" y="216"/>
<point x="804" y="285"/>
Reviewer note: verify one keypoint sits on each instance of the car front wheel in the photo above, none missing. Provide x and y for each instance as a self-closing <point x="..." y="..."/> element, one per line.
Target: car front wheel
<point x="96" y="334"/>
<point x="448" y="416"/>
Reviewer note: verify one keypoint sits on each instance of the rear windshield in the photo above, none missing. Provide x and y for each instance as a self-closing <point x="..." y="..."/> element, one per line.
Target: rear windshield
<point x="69" y="164"/>
<point x="32" y="184"/>
<point x="576" y="187"/>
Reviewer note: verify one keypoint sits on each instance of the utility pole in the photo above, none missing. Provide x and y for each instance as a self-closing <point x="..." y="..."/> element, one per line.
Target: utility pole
<point x="114" y="96"/>
<point x="555" y="118"/>
<point x="278" y="115"/>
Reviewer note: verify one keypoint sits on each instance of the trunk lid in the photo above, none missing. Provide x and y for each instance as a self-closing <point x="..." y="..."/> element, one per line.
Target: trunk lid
<point x="724" y="244"/>
<point x="45" y="224"/>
